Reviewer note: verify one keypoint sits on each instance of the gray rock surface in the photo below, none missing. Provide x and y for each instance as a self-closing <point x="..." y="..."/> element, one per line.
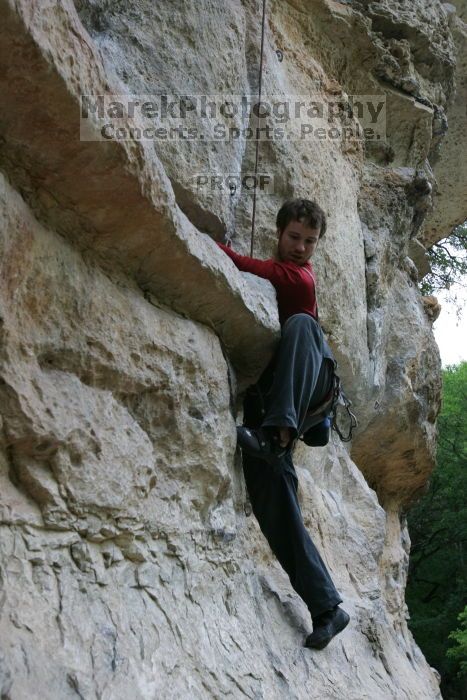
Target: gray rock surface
<point x="129" y="566"/>
<point x="50" y="54"/>
<point x="450" y="167"/>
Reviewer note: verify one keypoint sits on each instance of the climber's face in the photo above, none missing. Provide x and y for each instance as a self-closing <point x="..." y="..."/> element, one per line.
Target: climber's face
<point x="297" y="243"/>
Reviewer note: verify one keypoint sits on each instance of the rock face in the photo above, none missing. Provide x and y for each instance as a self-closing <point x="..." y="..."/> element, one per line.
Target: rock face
<point x="129" y="565"/>
<point x="451" y="192"/>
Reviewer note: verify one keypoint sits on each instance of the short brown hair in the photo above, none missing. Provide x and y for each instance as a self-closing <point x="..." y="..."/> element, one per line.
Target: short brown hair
<point x="303" y="210"/>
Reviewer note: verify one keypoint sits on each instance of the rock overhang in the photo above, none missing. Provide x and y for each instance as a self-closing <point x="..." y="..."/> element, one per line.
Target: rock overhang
<point x="114" y="199"/>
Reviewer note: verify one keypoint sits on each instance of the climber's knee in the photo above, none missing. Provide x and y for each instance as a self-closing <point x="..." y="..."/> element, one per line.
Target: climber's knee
<point x="299" y="320"/>
<point x="299" y="323"/>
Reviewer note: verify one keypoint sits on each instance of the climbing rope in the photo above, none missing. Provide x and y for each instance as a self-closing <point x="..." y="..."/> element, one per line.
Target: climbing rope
<point x="253" y="216"/>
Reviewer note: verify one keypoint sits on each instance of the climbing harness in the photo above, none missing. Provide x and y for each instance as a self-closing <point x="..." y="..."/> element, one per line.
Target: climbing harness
<point x="320" y="418"/>
<point x="253" y="216"/>
<point x="327" y="415"/>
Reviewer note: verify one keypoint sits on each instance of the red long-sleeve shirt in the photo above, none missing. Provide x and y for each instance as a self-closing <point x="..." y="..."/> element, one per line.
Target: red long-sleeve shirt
<point x="294" y="284"/>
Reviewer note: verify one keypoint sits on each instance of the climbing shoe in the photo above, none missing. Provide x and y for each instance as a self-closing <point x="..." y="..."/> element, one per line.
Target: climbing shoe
<point x="326" y="627"/>
<point x="318" y="435"/>
<point x="262" y="443"/>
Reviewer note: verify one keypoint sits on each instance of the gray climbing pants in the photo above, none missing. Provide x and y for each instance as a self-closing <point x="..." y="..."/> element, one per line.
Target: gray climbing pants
<point x="298" y="377"/>
<point x="302" y="373"/>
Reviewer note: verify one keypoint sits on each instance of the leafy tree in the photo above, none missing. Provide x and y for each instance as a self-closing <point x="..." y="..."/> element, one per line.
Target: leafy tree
<point x="437" y="582"/>
<point x="448" y="260"/>
<point x="460" y="636"/>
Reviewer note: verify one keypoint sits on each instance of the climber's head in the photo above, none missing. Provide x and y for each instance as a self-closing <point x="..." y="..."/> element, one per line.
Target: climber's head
<point x="300" y="224"/>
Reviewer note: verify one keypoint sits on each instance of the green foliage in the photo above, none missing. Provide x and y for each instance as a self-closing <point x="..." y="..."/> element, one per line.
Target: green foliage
<point x="437" y="583"/>
<point x="448" y="260"/>
<point x="460" y="636"/>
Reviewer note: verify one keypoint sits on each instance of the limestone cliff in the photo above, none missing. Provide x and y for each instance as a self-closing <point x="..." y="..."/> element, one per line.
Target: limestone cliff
<point x="130" y="567"/>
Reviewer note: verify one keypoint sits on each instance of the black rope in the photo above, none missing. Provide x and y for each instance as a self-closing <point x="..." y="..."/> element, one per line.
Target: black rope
<point x="257" y="140"/>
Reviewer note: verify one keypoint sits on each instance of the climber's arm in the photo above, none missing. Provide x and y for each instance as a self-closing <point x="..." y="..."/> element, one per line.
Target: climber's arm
<point x="268" y="269"/>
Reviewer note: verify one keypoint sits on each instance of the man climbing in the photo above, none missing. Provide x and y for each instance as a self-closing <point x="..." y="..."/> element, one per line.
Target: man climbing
<point x="298" y="378"/>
